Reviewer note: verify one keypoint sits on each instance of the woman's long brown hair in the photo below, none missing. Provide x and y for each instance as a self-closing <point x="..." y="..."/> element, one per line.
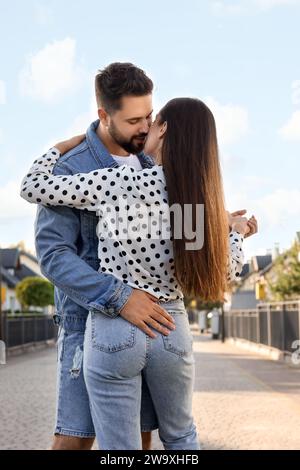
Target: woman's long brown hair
<point x="193" y="176"/>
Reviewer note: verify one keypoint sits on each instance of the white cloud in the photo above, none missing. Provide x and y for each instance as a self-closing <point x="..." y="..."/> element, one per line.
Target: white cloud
<point x="81" y="122"/>
<point x="52" y="72"/>
<point x="277" y="208"/>
<point x="231" y="121"/>
<point x="2" y="92"/>
<point x="291" y="130"/>
<point x="43" y="14"/>
<point x="296" y="92"/>
<point x="278" y="218"/>
<point x="78" y="126"/>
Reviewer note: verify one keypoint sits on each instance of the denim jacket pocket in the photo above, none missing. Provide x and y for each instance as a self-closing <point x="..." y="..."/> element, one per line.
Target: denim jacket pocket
<point x="111" y="334"/>
<point x="179" y="341"/>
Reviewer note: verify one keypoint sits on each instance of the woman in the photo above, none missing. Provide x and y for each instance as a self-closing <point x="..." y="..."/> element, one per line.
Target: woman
<point x="145" y="254"/>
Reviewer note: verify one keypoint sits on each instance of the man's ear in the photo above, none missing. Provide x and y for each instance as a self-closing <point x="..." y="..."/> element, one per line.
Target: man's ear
<point x="103" y="116"/>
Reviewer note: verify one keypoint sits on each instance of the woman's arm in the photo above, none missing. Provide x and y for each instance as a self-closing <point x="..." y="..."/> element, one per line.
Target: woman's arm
<point x="236" y="256"/>
<point x="83" y="190"/>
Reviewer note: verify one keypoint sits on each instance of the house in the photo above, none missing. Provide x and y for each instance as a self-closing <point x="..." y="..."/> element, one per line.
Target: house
<point x="260" y="269"/>
<point x="244" y="295"/>
<point x="15" y="265"/>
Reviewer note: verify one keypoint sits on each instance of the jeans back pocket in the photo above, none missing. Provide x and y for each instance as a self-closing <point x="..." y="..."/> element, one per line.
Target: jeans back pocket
<point x="179" y="341"/>
<point x="111" y="334"/>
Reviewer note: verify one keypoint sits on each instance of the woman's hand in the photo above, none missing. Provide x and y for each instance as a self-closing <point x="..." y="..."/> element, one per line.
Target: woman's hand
<point x="240" y="224"/>
<point x="142" y="310"/>
<point x="252" y="222"/>
<point x="66" y="145"/>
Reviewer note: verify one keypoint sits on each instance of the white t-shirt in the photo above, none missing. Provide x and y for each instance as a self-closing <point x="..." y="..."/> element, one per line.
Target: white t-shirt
<point x="131" y="160"/>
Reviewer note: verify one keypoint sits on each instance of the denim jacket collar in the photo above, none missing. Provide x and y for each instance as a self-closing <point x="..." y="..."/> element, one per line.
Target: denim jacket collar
<point x="102" y="155"/>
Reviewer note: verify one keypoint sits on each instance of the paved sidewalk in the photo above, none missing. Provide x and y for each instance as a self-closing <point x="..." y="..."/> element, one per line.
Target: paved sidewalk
<point x="241" y="400"/>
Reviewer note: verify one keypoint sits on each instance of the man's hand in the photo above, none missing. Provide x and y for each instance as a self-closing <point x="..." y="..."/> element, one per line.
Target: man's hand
<point x="142" y="310"/>
<point x="66" y="145"/>
<point x="252" y="222"/>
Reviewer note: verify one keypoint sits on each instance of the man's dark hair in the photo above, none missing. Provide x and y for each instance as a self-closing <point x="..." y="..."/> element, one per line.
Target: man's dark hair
<point x="118" y="80"/>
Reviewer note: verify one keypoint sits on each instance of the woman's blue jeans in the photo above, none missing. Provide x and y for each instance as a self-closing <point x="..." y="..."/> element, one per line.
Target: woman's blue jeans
<point x="116" y="355"/>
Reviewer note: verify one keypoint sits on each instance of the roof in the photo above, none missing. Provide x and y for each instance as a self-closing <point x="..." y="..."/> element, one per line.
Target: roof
<point x="261" y="262"/>
<point x="8" y="278"/>
<point x="9" y="257"/>
<point x="24" y="271"/>
<point x="245" y="270"/>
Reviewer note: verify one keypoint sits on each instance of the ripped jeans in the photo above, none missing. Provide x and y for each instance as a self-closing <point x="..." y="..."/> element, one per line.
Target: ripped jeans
<point x="73" y="415"/>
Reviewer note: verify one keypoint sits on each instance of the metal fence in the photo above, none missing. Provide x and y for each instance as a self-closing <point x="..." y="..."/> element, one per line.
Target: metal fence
<point x="24" y="330"/>
<point x="272" y="324"/>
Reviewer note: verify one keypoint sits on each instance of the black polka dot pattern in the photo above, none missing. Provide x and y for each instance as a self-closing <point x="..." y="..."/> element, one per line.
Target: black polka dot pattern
<point x="236" y="257"/>
<point x="134" y="250"/>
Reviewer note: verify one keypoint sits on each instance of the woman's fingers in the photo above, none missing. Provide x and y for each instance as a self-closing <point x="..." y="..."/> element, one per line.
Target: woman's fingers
<point x="240" y="212"/>
<point x="162" y="313"/>
<point x="164" y="321"/>
<point x="252" y="224"/>
<point x="157" y="326"/>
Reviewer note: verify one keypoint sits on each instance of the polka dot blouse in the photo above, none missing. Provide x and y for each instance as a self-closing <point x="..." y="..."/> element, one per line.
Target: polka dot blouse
<point x="134" y="231"/>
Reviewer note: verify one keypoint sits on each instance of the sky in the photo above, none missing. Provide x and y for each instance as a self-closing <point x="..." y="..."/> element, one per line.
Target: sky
<point x="240" y="57"/>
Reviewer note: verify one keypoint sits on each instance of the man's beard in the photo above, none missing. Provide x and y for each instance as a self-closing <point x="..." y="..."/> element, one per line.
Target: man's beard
<point x="131" y="146"/>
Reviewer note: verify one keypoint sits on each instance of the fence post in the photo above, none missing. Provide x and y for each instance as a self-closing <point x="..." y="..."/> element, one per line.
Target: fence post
<point x="5" y="329"/>
<point x="269" y="324"/>
<point x="223" y="323"/>
<point x="258" y="325"/>
<point x="299" y="318"/>
<point x="22" y="331"/>
<point x="35" y="329"/>
<point x="282" y="323"/>
<point x="46" y="328"/>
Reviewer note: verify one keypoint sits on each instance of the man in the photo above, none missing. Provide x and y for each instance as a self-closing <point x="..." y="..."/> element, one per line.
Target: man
<point x="66" y="245"/>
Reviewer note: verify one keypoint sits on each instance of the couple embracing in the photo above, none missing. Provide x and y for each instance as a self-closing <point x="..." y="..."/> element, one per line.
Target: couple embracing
<point x="131" y="218"/>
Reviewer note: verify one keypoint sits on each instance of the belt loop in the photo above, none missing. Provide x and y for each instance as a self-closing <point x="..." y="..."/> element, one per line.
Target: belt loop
<point x="56" y="319"/>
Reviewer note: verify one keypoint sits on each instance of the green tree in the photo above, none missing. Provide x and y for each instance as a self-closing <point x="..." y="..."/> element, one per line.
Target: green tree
<point x="287" y="270"/>
<point x="35" y="291"/>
